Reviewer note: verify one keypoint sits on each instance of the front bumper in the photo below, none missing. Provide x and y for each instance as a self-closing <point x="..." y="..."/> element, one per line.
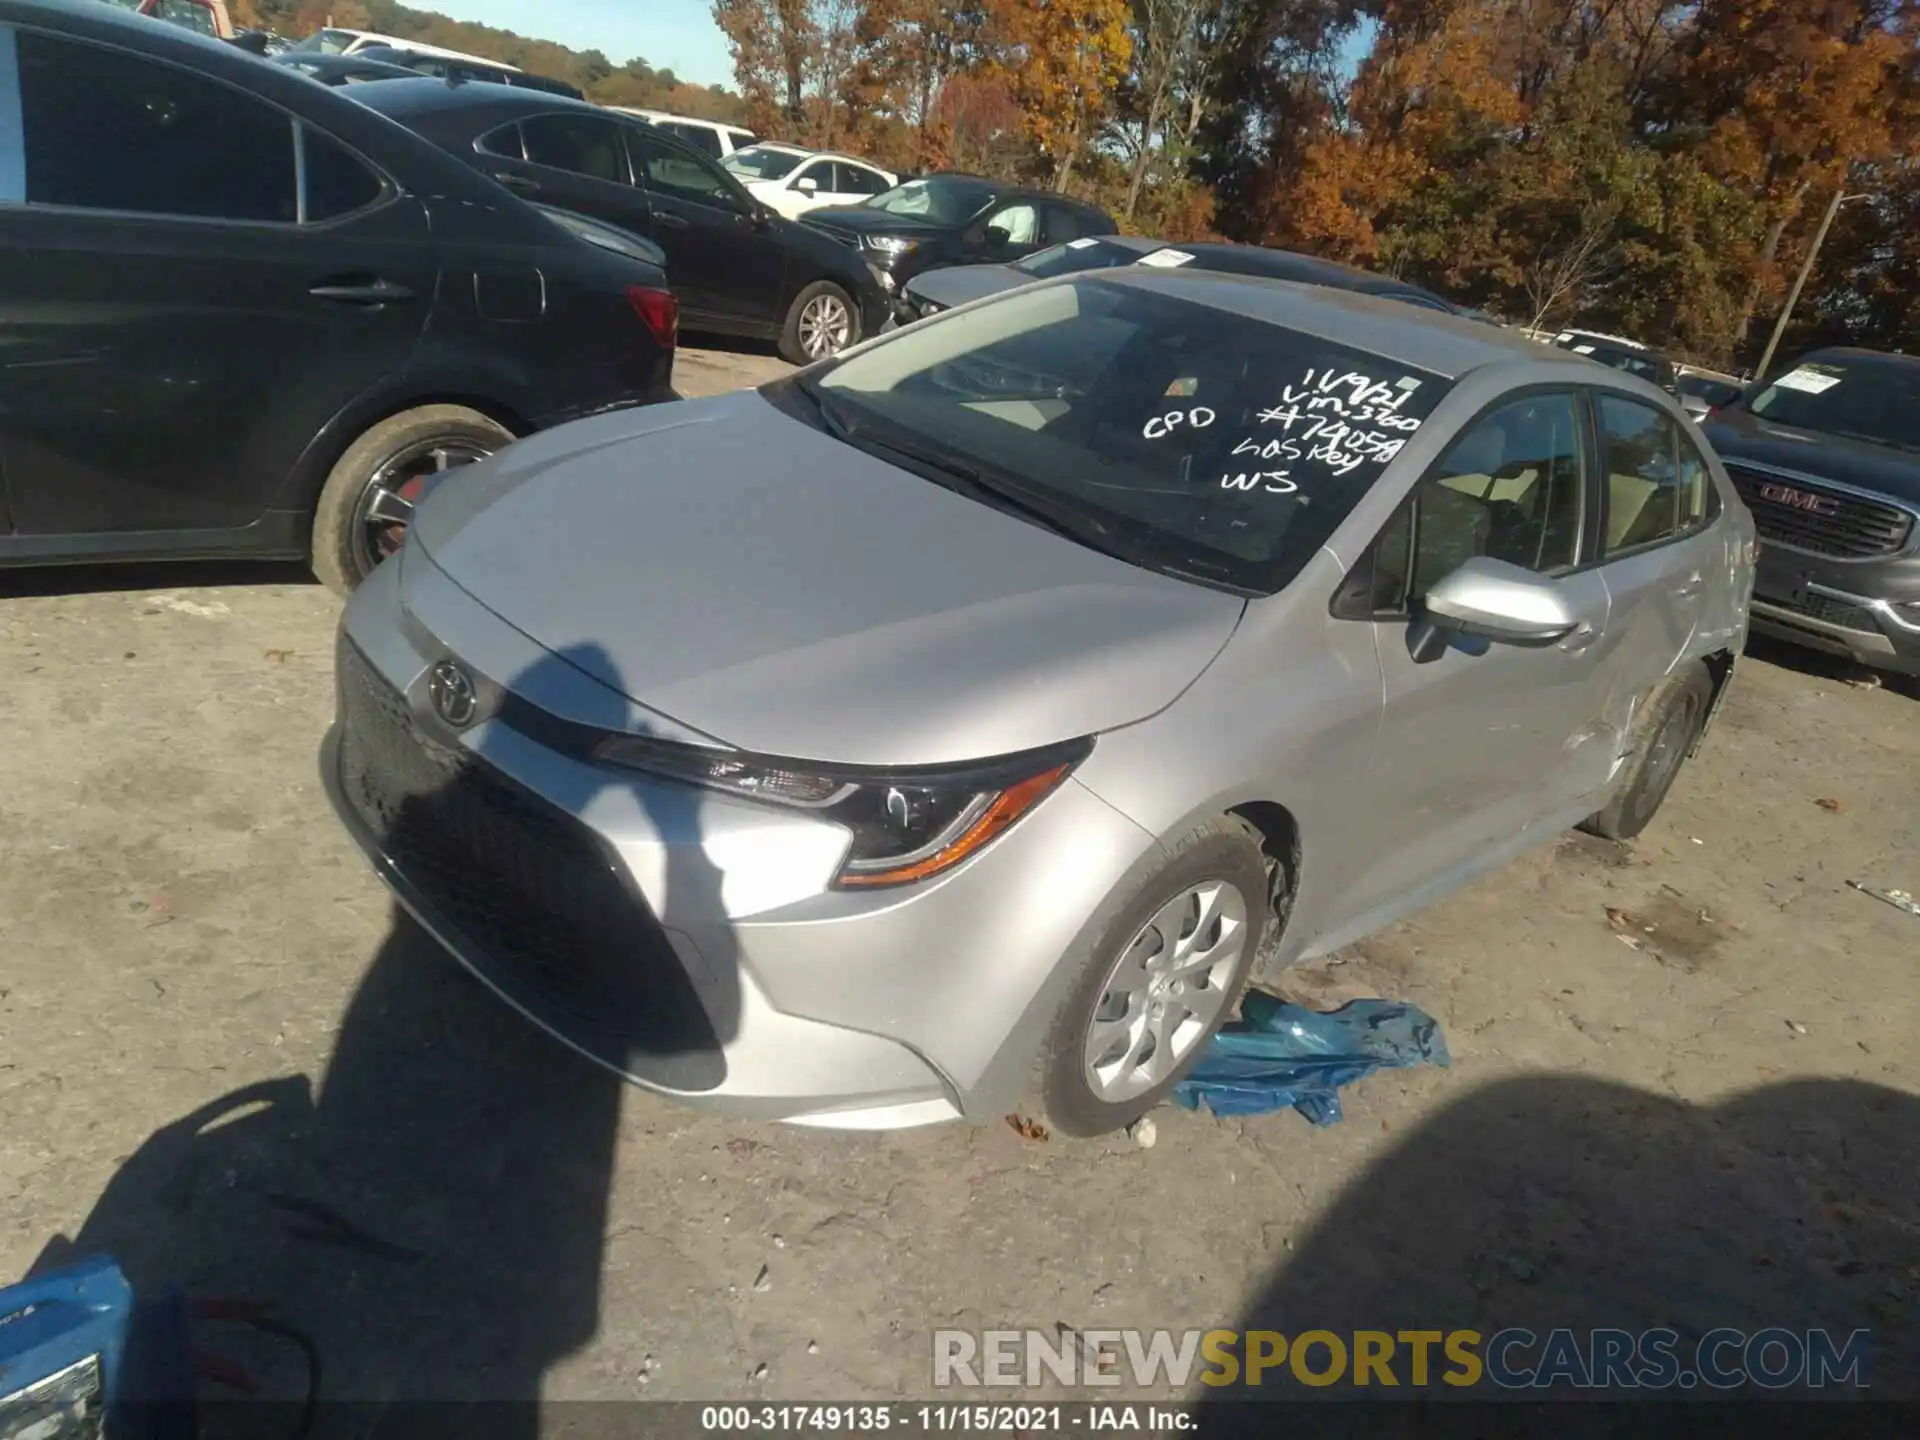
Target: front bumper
<point x="689" y="942"/>
<point x="1868" y="611"/>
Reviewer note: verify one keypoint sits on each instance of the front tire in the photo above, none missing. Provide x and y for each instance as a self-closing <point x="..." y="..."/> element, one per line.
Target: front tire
<point x="821" y="322"/>
<point x="367" y="503"/>
<point x="1160" y="979"/>
<point x="1659" y="740"/>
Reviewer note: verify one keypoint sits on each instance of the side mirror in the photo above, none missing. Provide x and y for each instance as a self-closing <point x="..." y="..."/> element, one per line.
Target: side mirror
<point x="806" y="185"/>
<point x="1492" y="600"/>
<point x="998" y="237"/>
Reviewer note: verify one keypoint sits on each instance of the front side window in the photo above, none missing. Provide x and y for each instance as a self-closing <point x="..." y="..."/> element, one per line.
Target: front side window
<point x="1510" y="488"/>
<point x="1021" y="223"/>
<point x="761" y="163"/>
<point x="673" y="171"/>
<point x="1178" y="436"/>
<point x="1651" y="495"/>
<point x="820" y="173"/>
<point x="504" y="142"/>
<point x="338" y="181"/>
<point x="941" y="199"/>
<point x="857" y="180"/>
<point x="1075" y="256"/>
<point x="578" y="144"/>
<point x="106" y="130"/>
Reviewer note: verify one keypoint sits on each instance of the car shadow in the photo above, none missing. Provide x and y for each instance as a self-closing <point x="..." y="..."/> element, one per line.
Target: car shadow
<point x="1822" y="665"/>
<point x="40" y="582"/>
<point x="427" y="1214"/>
<point x="1561" y="1202"/>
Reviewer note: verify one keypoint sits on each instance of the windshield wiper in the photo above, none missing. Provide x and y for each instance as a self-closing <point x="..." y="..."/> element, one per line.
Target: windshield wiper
<point x="1885" y="440"/>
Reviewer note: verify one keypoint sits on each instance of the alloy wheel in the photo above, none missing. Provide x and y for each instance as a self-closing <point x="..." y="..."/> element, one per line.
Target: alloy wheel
<point x="1165" y="991"/>
<point x="402" y="481"/>
<point x="1670" y="745"/>
<point x="826" y="326"/>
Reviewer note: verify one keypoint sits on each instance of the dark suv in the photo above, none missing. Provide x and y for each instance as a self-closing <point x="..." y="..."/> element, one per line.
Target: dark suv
<point x="1827" y="456"/>
<point x="955" y="219"/>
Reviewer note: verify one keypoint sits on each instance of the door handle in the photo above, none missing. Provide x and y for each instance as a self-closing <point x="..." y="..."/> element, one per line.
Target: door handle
<point x="520" y="184"/>
<point x="670" y="222"/>
<point x="364" y="292"/>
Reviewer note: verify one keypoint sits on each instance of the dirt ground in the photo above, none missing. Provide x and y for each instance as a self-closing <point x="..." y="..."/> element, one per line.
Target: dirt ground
<point x="223" y="1059"/>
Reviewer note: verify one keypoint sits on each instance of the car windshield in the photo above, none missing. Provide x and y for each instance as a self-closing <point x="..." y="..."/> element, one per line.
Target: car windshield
<point x="1088" y="253"/>
<point x="1177" y="436"/>
<point x="327" y="42"/>
<point x="1875" y="402"/>
<point x="757" y="162"/>
<point x="943" y="199"/>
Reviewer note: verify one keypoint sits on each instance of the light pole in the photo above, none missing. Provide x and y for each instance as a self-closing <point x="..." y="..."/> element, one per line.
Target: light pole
<point x="1799" y="281"/>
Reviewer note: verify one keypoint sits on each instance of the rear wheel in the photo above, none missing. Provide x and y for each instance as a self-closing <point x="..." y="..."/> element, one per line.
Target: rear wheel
<point x="367" y="503"/>
<point x="821" y="322"/>
<point x="1661" y="737"/>
<point x="1162" y="977"/>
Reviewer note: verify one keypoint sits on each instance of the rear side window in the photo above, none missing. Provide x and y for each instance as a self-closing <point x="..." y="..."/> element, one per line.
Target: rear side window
<point x="504" y="142"/>
<point x="1063" y="224"/>
<point x="581" y="144"/>
<point x="106" y="130"/>
<point x="338" y="181"/>
<point x="1657" y="484"/>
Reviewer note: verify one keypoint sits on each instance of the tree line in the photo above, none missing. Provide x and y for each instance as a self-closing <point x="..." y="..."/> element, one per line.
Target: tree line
<point x="635" y="83"/>
<point x="1655" y="167"/>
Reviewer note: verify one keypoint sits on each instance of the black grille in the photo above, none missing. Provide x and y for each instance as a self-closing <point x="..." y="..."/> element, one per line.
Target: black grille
<point x="1857" y="528"/>
<point x="538" y="902"/>
<point x="1827" y="609"/>
<point x="845" y="237"/>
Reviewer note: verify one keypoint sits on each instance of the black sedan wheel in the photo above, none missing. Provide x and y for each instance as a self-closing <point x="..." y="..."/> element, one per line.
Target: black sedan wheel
<point x="367" y="503"/>
<point x="821" y="322"/>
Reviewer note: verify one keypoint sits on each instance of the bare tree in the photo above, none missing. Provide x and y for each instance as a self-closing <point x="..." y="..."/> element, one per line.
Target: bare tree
<point x="1559" y="274"/>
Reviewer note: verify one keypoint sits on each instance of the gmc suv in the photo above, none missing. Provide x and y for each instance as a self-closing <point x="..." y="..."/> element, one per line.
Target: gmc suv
<point x="1827" y="456"/>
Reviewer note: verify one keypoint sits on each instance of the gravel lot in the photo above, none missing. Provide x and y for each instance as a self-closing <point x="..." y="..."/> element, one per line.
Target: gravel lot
<point x="223" y="1059"/>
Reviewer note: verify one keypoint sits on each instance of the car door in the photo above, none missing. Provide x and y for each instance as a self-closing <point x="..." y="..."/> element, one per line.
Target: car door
<point x="818" y="190"/>
<point x="570" y="159"/>
<point x="1657" y="545"/>
<point x="1484" y="743"/>
<point x="180" y="317"/>
<point x="725" y="258"/>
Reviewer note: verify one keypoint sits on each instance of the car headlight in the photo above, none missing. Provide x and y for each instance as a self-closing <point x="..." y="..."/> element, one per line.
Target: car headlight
<point x="891" y="244"/>
<point x="903" y="826"/>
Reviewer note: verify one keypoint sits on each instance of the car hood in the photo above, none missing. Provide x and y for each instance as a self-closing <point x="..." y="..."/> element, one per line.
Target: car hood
<point x="957" y="284"/>
<point x="1741" y="435"/>
<point x="740" y="573"/>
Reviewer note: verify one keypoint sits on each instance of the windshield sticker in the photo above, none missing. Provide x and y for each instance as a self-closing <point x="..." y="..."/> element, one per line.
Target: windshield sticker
<point x="1583" y="349"/>
<point x="1082" y="243"/>
<point x="1165" y="259"/>
<point x="1329" y="418"/>
<point x="1807" y="379"/>
<point x="1160" y="426"/>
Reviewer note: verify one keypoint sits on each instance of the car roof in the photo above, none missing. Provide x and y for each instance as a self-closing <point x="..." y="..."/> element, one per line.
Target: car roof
<point x="1854" y="355"/>
<point x="1310" y="269"/>
<point x="430" y="94"/>
<point x="1431" y="340"/>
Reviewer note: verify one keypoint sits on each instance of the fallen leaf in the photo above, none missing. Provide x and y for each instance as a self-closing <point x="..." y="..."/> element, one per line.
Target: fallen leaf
<point x="741" y="1145"/>
<point x="1028" y="1129"/>
<point x="1621" y="919"/>
<point x="282" y="656"/>
<point x="1830" y="805"/>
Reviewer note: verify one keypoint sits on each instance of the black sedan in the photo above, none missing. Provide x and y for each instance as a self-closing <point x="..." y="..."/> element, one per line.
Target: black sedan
<point x="244" y="316"/>
<point x="737" y="267"/>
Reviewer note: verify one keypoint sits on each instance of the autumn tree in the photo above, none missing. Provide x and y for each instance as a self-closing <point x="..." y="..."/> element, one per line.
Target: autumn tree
<point x="1062" y="60"/>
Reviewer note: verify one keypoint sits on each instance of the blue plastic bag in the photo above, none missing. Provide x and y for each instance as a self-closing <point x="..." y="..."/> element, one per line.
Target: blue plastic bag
<point x="1278" y="1055"/>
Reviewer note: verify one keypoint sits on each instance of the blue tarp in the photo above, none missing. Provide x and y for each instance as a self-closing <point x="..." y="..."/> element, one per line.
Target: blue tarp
<point x="1278" y="1055"/>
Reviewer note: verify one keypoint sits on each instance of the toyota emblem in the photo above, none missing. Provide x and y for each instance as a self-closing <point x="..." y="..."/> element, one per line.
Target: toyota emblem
<point x="453" y="695"/>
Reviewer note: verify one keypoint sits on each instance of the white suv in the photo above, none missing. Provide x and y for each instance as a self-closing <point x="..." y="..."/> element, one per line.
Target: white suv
<point x="709" y="137"/>
<point x="794" y="180"/>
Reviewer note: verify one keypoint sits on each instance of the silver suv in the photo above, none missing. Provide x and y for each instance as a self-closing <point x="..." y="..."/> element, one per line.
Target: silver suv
<point x="830" y="753"/>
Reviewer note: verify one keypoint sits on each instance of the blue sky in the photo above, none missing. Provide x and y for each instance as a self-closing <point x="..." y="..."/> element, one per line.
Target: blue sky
<point x="669" y="34"/>
<point x="673" y="34"/>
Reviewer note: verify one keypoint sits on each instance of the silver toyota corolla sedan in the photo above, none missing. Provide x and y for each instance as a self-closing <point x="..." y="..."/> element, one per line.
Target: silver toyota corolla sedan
<point x="966" y="712"/>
